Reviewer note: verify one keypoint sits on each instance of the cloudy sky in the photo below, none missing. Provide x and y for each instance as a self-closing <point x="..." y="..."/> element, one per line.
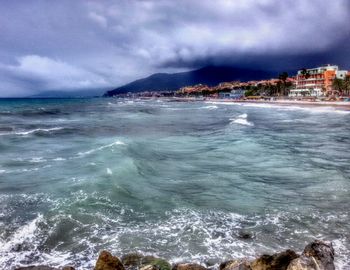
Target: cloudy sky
<point x="73" y="45"/>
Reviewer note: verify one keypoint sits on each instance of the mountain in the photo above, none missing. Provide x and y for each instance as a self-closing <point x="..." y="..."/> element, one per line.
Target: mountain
<point x="211" y="75"/>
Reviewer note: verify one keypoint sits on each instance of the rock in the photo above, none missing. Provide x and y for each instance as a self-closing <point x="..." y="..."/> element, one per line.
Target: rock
<point x="210" y="262"/>
<point x="279" y="261"/>
<point x="188" y="266"/>
<point x="106" y="261"/>
<point x="68" y="268"/>
<point x="159" y="264"/>
<point x="132" y="260"/>
<point x="244" y="234"/>
<point x="317" y="255"/>
<point x="235" y="265"/>
<point x="148" y="259"/>
<point x="304" y="263"/>
<point x="323" y="252"/>
<point x="149" y="267"/>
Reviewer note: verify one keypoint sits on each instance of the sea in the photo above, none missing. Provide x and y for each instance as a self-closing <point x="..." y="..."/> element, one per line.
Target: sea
<point x="186" y="181"/>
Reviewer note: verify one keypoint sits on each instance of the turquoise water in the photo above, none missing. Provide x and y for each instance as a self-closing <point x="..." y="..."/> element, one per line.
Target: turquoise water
<point x="176" y="179"/>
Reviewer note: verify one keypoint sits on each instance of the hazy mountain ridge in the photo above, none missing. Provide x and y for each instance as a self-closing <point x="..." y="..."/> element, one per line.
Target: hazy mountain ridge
<point x="210" y="76"/>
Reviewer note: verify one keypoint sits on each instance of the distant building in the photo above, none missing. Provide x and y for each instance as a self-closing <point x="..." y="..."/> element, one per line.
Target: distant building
<point x="233" y="94"/>
<point x="316" y="81"/>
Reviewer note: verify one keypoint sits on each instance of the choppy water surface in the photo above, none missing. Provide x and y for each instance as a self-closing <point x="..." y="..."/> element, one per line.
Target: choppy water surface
<point x="179" y="180"/>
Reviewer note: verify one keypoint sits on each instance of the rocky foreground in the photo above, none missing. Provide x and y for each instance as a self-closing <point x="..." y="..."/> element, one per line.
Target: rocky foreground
<point x="317" y="255"/>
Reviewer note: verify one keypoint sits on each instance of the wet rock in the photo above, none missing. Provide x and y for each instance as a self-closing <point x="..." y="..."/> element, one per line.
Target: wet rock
<point x="188" y="266"/>
<point x="149" y="267"/>
<point x="210" y="262"/>
<point x="132" y="260"/>
<point x="106" y="261"/>
<point x="68" y="268"/>
<point x="317" y="255"/>
<point x="323" y="252"/>
<point x="148" y="259"/>
<point x="278" y="261"/>
<point x="304" y="263"/>
<point x="245" y="234"/>
<point x="158" y="263"/>
<point x="235" y="265"/>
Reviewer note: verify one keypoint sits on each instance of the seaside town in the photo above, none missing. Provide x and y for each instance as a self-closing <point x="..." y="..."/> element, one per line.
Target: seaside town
<point x="324" y="83"/>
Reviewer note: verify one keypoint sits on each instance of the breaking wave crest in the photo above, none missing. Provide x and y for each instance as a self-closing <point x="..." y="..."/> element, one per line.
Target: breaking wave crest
<point x="177" y="235"/>
<point x="33" y="131"/>
<point x="241" y="120"/>
<point x="101" y="148"/>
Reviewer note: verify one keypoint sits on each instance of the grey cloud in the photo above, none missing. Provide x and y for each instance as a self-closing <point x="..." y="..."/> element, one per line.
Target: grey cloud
<point x="79" y="44"/>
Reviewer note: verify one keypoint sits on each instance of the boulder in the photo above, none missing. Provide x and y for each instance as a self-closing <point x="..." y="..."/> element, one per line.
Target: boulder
<point x="106" y="261"/>
<point x="132" y="261"/>
<point x="278" y="261"/>
<point x="235" y="265"/>
<point x="317" y="255"/>
<point x="304" y="263"/>
<point x="149" y="267"/>
<point x="245" y="234"/>
<point x="157" y="263"/>
<point x="323" y="252"/>
<point x="188" y="266"/>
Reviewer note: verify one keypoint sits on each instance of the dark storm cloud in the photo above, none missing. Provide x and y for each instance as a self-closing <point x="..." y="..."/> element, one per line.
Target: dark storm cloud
<point x="101" y="44"/>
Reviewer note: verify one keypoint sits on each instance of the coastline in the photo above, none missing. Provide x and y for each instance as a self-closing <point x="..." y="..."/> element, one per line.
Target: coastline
<point x="338" y="104"/>
<point x="345" y="105"/>
<point x="215" y="233"/>
<point x="316" y="255"/>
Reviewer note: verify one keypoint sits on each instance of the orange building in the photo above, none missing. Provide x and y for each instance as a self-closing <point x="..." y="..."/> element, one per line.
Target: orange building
<point x="316" y="81"/>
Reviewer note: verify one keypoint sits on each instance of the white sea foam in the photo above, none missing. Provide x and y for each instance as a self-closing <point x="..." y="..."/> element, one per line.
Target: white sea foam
<point x="59" y="159"/>
<point x="210" y="107"/>
<point x="22" y="234"/>
<point x="37" y="160"/>
<point x="287" y="107"/>
<point x="214" y="232"/>
<point x="109" y="171"/>
<point x="25" y="235"/>
<point x="241" y="120"/>
<point x="101" y="148"/>
<point x="341" y="259"/>
<point x="28" y="132"/>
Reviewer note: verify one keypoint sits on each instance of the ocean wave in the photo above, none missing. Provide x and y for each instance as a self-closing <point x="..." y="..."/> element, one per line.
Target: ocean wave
<point x="241" y="120"/>
<point x="59" y="159"/>
<point x="210" y="107"/>
<point x="181" y="234"/>
<point x="22" y="244"/>
<point x="42" y="111"/>
<point x="32" y="131"/>
<point x="101" y="148"/>
<point x="308" y="108"/>
<point x="286" y="107"/>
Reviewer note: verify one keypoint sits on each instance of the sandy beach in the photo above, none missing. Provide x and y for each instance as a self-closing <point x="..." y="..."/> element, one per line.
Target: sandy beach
<point x="338" y="104"/>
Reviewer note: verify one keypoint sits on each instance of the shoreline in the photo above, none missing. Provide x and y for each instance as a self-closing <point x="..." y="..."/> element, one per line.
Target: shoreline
<point x="317" y="255"/>
<point x="345" y="105"/>
<point x="337" y="104"/>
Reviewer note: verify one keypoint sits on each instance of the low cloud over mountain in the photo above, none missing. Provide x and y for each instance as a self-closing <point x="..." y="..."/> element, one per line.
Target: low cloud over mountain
<point x="70" y="45"/>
